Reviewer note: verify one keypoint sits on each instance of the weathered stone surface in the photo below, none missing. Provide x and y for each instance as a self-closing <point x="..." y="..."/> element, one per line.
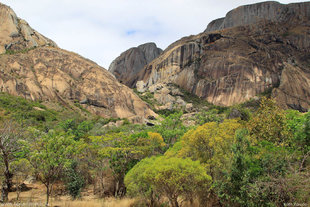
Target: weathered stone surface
<point x="52" y="74"/>
<point x="16" y="34"/>
<point x="264" y="11"/>
<point x="288" y="95"/>
<point x="129" y="63"/>
<point x="140" y="87"/>
<point x="189" y="107"/>
<point x="237" y="63"/>
<point x="49" y="73"/>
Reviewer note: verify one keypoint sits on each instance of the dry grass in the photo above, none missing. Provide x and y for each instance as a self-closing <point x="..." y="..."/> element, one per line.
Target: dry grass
<point x="110" y="202"/>
<point x="36" y="198"/>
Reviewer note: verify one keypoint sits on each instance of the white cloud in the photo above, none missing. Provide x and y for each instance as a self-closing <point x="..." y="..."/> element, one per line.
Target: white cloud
<point x="101" y="29"/>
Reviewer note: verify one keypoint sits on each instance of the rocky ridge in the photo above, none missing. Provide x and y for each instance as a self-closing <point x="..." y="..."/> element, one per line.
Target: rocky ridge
<point x="16" y="34"/>
<point x="131" y="62"/>
<point x="244" y="57"/>
<point x="33" y="67"/>
<point x="260" y="12"/>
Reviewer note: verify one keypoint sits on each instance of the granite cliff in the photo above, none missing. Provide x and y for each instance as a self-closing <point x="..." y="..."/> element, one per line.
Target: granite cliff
<point x="131" y="62"/>
<point x="260" y="12"/>
<point x="33" y="67"/>
<point x="255" y="49"/>
<point x="16" y="34"/>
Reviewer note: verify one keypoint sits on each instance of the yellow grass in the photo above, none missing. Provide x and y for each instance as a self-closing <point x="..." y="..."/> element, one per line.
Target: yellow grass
<point x="109" y="202"/>
<point x="36" y="198"/>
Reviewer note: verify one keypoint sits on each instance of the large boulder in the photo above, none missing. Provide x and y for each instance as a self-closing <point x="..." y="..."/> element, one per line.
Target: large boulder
<point x="131" y="62"/>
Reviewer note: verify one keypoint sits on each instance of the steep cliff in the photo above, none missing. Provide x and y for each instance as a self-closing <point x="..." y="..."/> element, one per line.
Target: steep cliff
<point x="264" y="11"/>
<point x="243" y="57"/>
<point x="131" y="62"/>
<point x="34" y="68"/>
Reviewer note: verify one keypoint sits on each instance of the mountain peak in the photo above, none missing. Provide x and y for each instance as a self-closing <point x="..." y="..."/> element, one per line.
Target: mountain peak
<point x="264" y="11"/>
<point x="16" y="34"/>
<point x="131" y="62"/>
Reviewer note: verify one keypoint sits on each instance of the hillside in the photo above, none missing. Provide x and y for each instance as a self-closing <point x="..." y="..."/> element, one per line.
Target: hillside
<point x="33" y="67"/>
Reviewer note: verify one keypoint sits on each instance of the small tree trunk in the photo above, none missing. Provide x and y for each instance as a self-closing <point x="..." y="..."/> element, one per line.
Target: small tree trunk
<point x="116" y="189"/>
<point x="18" y="190"/>
<point x="7" y="183"/>
<point x="48" y="192"/>
<point x="174" y="201"/>
<point x="4" y="193"/>
<point x="152" y="199"/>
<point x="176" y="204"/>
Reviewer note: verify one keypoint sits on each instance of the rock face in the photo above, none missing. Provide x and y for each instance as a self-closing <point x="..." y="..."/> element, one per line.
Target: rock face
<point x="131" y="62"/>
<point x="48" y="73"/>
<point x="243" y="57"/>
<point x="265" y="11"/>
<point x="16" y="34"/>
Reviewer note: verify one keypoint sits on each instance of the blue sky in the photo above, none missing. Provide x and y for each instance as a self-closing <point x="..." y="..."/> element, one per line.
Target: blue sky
<point x="102" y="29"/>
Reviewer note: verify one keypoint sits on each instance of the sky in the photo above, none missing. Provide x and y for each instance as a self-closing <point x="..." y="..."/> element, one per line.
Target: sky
<point x="101" y="30"/>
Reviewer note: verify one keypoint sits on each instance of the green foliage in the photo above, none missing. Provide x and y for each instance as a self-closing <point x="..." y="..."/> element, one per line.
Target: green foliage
<point x="74" y="180"/>
<point x="76" y="128"/>
<point x="269" y="123"/>
<point x="147" y="97"/>
<point x="174" y="151"/>
<point x="259" y="166"/>
<point x="51" y="153"/>
<point x="299" y="126"/>
<point x="12" y="52"/>
<point x="170" y="177"/>
<point x="27" y="112"/>
<point x="171" y="128"/>
<point x="241" y="112"/>
<point x="261" y="160"/>
<point x="136" y="182"/>
<point x="232" y="188"/>
<point x="209" y="116"/>
<point x="166" y="112"/>
<point x="211" y="144"/>
<point x="123" y="152"/>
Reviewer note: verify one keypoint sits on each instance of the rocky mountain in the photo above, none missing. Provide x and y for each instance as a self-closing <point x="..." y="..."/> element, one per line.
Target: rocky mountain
<point x="131" y="62"/>
<point x="266" y="11"/>
<point x="33" y="67"/>
<point x="259" y="48"/>
<point x="16" y="34"/>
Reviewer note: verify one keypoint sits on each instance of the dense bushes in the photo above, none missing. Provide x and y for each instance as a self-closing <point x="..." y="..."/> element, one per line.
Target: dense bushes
<point x="259" y="159"/>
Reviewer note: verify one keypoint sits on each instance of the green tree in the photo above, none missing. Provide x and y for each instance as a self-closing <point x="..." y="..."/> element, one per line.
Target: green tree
<point x="21" y="169"/>
<point x="299" y="126"/>
<point x="170" y="177"/>
<point x="171" y="128"/>
<point x="210" y="144"/>
<point x="233" y="187"/>
<point x="123" y="152"/>
<point x="137" y="184"/>
<point x="269" y="123"/>
<point x="77" y="128"/>
<point x="11" y="138"/>
<point x="50" y="154"/>
<point x="74" y="180"/>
